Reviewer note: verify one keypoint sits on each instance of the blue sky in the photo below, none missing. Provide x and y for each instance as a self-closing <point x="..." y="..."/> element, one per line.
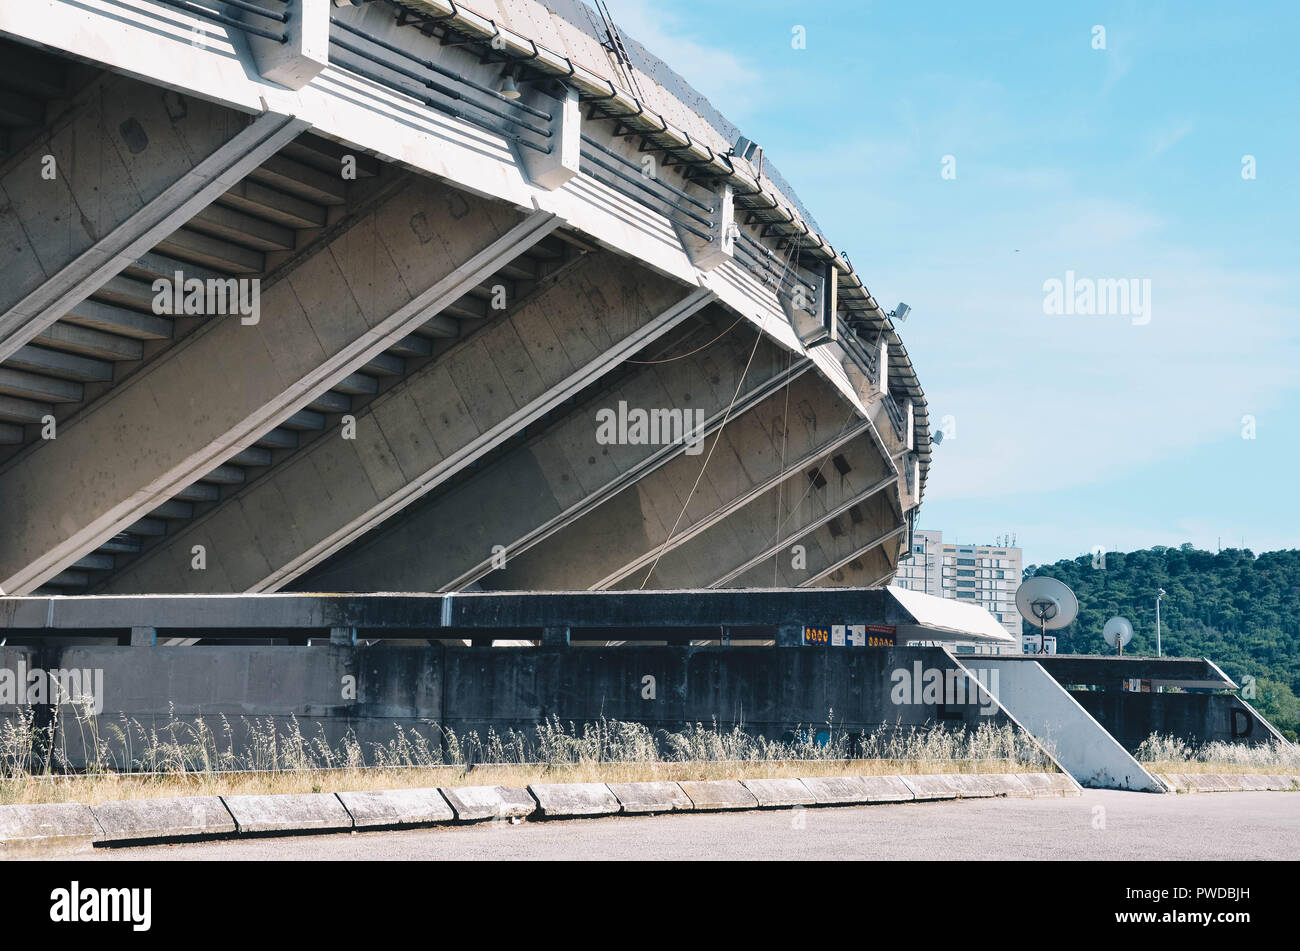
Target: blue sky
<point x="1123" y="162"/>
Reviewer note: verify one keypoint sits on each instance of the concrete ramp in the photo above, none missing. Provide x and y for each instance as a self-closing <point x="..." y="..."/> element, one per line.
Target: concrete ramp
<point x="1045" y="709"/>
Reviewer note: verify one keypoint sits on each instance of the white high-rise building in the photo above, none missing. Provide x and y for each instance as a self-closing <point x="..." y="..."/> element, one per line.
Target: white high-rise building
<point x="988" y="575"/>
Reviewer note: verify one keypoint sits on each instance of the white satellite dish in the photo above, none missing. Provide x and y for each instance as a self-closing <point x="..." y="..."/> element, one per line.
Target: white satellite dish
<point x="1048" y="603"/>
<point x="1118" y="632"/>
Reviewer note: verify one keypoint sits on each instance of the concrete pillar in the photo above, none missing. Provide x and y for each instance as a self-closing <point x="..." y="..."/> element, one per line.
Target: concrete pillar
<point x="144" y="637"/>
<point x="612" y="546"/>
<point x="535" y="490"/>
<point x="365" y="286"/>
<point x="555" y="637"/>
<point x="343" y="636"/>
<point x="130" y="173"/>
<point x="422" y="431"/>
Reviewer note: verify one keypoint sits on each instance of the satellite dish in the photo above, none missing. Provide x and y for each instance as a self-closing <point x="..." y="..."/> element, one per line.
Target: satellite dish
<point x="1048" y="603"/>
<point x="1118" y="632"/>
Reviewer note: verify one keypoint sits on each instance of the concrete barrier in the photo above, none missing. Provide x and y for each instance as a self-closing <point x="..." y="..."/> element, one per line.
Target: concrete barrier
<point x="975" y="786"/>
<point x="1278" y="782"/>
<point x="396" y="807"/>
<point x="932" y="786"/>
<point x="645" y="798"/>
<point x="134" y="819"/>
<point x="472" y="803"/>
<point x="716" y="794"/>
<point x="887" y="789"/>
<point x="778" y="793"/>
<point x="295" y="812"/>
<point x="1007" y="784"/>
<point x="561" y="800"/>
<point x="1253" y="782"/>
<point x="46" y="829"/>
<point x="837" y="790"/>
<point x="1041" y="785"/>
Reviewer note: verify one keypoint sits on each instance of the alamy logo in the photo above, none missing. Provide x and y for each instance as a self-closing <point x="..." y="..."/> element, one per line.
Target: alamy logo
<point x="952" y="687"/>
<point x="74" y="904"/>
<point x="214" y="297"/>
<point x="1103" y="297"/>
<point x="653" y="427"/>
<point x="25" y="686"/>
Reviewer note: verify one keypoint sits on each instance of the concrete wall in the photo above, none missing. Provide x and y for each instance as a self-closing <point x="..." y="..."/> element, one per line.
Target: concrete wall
<point x="772" y="692"/>
<point x="1131" y="717"/>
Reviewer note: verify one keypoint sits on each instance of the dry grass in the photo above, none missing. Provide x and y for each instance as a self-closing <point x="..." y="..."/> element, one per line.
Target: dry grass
<point x="1168" y="754"/>
<point x="192" y="758"/>
<point x="95" y="789"/>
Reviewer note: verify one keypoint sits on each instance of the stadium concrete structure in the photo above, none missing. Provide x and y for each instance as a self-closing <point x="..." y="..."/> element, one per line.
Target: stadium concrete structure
<point x="330" y="296"/>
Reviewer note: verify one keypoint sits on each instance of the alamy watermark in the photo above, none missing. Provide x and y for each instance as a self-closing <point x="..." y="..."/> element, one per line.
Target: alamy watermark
<point x="650" y="427"/>
<point x="1100" y="297"/>
<point x="951" y="687"/>
<point x="34" y="686"/>
<point x="214" y="297"/>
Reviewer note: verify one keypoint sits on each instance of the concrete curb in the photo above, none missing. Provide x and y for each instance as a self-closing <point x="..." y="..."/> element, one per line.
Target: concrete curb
<point x="47" y="829"/>
<point x="63" y="828"/>
<point x="475" y="803"/>
<point x="648" y="798"/>
<point x="134" y="819"/>
<point x="719" y="794"/>
<point x="396" y="807"/>
<point x="1230" y="782"/>
<point x="295" y="812"/>
<point x="779" y="793"/>
<point x="567" y="800"/>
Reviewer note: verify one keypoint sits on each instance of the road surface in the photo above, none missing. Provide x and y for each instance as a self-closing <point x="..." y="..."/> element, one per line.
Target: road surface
<point x="1099" y="825"/>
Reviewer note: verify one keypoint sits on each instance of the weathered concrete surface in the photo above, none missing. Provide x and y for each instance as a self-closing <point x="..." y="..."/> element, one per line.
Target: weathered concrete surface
<point x="719" y="794"/>
<point x="1049" y="784"/>
<point x="471" y="803"/>
<point x="775" y="793"/>
<point x="759" y="449"/>
<point x="396" y="807"/>
<point x="46" y="829"/>
<point x="296" y="812"/>
<point x="887" y="789"/>
<point x="735" y="550"/>
<point x="1005" y="784"/>
<point x="531" y="492"/>
<point x="557" y="800"/>
<point x="1132" y="716"/>
<point x="932" y="786"/>
<point x="974" y="786"/>
<point x="651" y="797"/>
<point x="1048" y="712"/>
<point x="181" y="818"/>
<point x="368" y="282"/>
<point x="837" y="790"/>
<point x="426" y="428"/>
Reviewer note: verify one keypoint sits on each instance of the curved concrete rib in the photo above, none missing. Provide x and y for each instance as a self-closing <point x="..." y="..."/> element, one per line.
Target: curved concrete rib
<point x="537" y="489"/>
<point x="426" y="428"/>
<point x="206" y="398"/>
<point x="172" y="188"/>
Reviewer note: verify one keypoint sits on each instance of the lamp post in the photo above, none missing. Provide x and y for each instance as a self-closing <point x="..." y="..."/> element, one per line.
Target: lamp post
<point x="1160" y="593"/>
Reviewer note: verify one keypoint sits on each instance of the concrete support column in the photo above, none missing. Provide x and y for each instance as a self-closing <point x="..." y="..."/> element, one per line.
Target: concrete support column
<point x="343" y="636"/>
<point x="555" y="637"/>
<point x="144" y="637"/>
